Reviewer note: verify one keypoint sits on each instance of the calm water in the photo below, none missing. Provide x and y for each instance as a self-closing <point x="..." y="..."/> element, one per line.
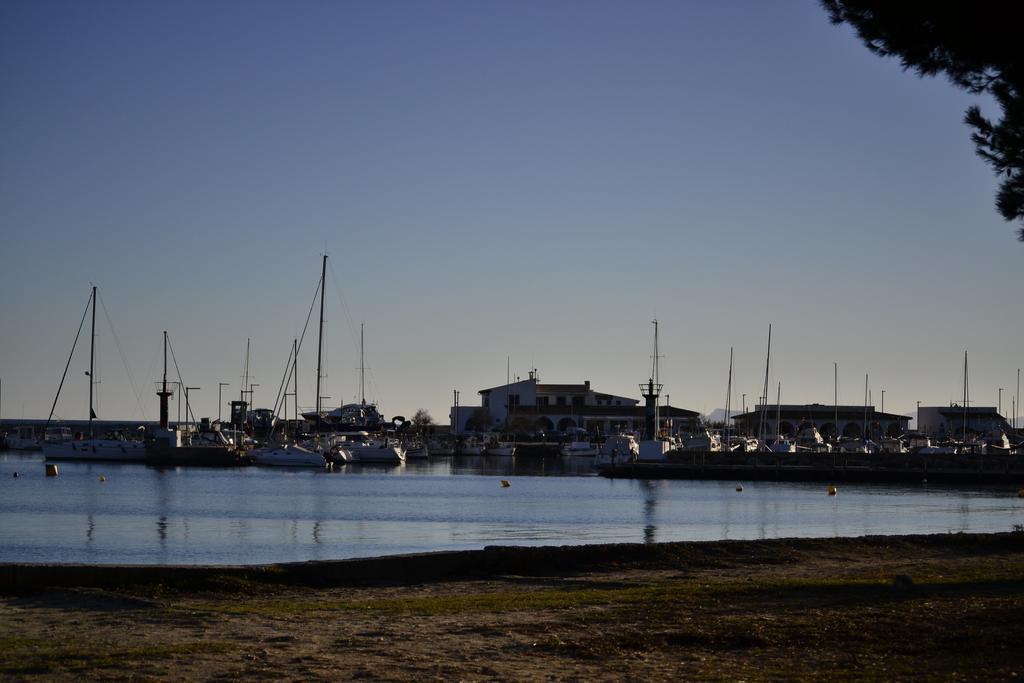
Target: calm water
<point x="141" y="515"/>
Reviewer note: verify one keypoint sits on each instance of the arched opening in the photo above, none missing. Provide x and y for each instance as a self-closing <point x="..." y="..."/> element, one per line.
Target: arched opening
<point x="828" y="430"/>
<point x="893" y="429"/>
<point x="852" y="430"/>
<point x="805" y="424"/>
<point x="566" y="423"/>
<point x="785" y="428"/>
<point x="543" y="424"/>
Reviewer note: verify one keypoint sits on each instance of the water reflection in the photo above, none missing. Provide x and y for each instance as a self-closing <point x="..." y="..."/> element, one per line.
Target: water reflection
<point x="255" y="515"/>
<point x="650" y="491"/>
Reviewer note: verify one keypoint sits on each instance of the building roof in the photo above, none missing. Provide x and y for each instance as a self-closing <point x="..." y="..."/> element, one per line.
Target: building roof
<point x="819" y="411"/>
<point x="562" y="388"/>
<point x="600" y="411"/>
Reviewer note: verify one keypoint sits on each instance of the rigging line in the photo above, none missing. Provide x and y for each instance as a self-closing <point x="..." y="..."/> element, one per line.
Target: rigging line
<point x="124" y="361"/>
<point x="181" y="383"/>
<point x="345" y="309"/>
<point x="154" y="359"/>
<point x="344" y="306"/>
<point x="70" y="356"/>
<point x="289" y="369"/>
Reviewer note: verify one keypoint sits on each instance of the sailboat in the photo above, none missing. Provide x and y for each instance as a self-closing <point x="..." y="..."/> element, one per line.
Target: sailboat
<point x="114" y="446"/>
<point x="289" y="453"/>
<point x="359" y="444"/>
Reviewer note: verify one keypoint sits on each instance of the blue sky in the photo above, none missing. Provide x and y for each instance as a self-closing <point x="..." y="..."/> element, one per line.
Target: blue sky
<point x="490" y="180"/>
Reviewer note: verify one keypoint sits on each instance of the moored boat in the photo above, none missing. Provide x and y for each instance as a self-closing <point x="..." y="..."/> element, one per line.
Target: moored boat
<point x="288" y="455"/>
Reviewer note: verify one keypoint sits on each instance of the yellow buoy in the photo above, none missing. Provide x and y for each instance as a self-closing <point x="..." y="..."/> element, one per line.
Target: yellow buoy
<point x="103" y="478"/>
<point x="51" y="470"/>
<point x="505" y="483"/>
<point x="832" y="490"/>
<point x="739" y="487"/>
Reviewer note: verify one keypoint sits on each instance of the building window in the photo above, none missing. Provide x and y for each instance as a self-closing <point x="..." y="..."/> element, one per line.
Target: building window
<point x="542" y="400"/>
<point x="513" y="400"/>
<point x="577" y="401"/>
<point x="487" y="400"/>
<point x="618" y="403"/>
<point x="560" y="400"/>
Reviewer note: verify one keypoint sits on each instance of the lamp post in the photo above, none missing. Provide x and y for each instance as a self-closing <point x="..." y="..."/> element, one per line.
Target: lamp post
<point x="918" y="425"/>
<point x="220" y="402"/>
<point x="883" y="400"/>
<point x="188" y="408"/>
<point x="1000" y="408"/>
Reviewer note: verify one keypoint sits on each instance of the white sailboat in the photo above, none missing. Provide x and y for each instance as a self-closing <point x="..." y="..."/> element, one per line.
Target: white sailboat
<point x="289" y="453"/>
<point x="114" y="447"/>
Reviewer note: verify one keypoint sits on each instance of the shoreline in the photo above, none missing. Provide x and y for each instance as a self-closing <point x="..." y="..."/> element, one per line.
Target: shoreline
<point x="931" y="607"/>
<point x="407" y="569"/>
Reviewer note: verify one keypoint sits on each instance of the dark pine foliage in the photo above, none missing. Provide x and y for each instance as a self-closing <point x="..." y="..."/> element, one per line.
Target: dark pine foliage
<point x="979" y="45"/>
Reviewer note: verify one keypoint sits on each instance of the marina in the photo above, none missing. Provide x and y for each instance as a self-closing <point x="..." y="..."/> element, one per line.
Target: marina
<point x="127" y="513"/>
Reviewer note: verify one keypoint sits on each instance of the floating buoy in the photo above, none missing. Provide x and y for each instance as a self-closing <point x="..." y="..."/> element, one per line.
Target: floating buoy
<point x="103" y="477"/>
<point x="505" y="483"/>
<point x="17" y="474"/>
<point x="832" y="490"/>
<point x="1020" y="493"/>
<point x="51" y="470"/>
<point x="739" y="487"/>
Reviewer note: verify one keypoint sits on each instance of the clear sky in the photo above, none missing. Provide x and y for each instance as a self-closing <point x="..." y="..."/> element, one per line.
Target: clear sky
<point x="491" y="180"/>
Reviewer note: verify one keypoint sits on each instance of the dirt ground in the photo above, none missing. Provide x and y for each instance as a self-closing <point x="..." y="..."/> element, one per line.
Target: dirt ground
<point x="928" y="607"/>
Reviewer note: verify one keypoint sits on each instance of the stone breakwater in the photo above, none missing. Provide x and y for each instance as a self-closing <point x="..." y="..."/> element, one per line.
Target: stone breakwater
<point x="829" y="467"/>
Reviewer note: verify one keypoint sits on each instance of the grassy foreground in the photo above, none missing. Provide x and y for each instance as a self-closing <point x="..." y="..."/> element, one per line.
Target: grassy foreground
<point x="929" y="607"/>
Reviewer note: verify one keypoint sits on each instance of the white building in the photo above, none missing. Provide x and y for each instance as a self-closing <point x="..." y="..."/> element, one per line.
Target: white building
<point x="528" y="405"/>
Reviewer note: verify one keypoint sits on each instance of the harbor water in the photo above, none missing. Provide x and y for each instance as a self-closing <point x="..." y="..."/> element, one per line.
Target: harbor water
<point x="144" y="515"/>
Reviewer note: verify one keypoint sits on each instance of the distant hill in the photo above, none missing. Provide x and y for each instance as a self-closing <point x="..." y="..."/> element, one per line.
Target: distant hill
<point x="718" y="415"/>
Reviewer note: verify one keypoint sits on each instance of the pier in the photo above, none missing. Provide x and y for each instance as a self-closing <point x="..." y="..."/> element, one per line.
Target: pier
<point x="828" y="467"/>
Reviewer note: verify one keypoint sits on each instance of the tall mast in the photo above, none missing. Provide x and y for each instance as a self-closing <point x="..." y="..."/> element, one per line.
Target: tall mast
<point x="657" y="383"/>
<point x="245" y="373"/>
<point x="362" y="367"/>
<point x="835" y="397"/>
<point x="865" y="406"/>
<point x="778" y="411"/>
<point x="295" y="398"/>
<point x="92" y="359"/>
<point x="764" y="394"/>
<point x="320" y="342"/>
<point x="967" y="396"/>
<point x="728" y="395"/>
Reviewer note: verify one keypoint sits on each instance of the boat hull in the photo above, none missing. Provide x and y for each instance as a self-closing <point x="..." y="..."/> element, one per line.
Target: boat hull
<point x="105" y="450"/>
<point x="390" y="454"/>
<point x="288" y="456"/>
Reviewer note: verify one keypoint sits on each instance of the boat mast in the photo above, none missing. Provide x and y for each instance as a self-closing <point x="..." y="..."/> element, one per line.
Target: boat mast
<point x="728" y="397"/>
<point x="92" y="359"/>
<point x="778" y="411"/>
<point x="245" y="375"/>
<point x="764" y="394"/>
<point x="657" y="383"/>
<point x="835" y="397"/>
<point x="295" y="396"/>
<point x="320" y="343"/>
<point x="362" y="367"/>
<point x="865" y="407"/>
<point x="967" y="397"/>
